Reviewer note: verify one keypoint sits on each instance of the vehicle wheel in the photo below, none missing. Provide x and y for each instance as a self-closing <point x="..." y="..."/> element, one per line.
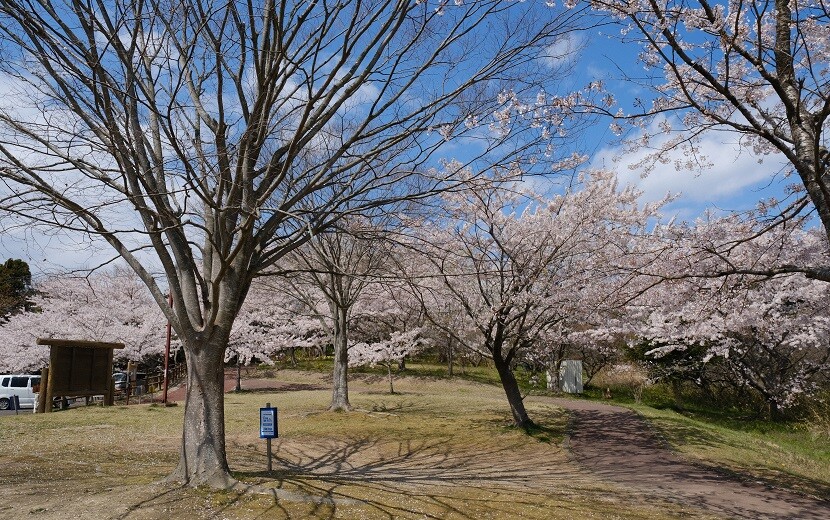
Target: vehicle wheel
<point x="4" y="404"/>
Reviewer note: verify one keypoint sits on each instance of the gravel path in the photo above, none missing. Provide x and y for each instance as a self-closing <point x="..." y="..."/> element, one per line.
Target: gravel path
<point x="617" y="445"/>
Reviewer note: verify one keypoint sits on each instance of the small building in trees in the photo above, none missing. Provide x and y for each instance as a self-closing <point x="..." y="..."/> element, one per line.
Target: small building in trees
<point x="77" y="368"/>
<point x="570" y="376"/>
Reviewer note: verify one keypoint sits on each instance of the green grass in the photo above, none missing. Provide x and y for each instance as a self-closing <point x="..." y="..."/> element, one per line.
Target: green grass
<point x="785" y="454"/>
<point x="439" y="448"/>
<point x="782" y="453"/>
<point x="420" y="369"/>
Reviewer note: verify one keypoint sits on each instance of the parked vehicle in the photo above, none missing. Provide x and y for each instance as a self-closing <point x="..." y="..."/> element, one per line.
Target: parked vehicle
<point x="120" y="380"/>
<point x="24" y="386"/>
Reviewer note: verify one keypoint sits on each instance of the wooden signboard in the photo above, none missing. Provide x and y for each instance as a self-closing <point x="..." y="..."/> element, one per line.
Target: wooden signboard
<point x="77" y="368"/>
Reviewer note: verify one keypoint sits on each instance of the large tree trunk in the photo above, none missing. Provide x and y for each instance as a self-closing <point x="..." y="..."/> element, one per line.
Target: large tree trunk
<point x="340" y="379"/>
<point x="203" y="460"/>
<point x="511" y="390"/>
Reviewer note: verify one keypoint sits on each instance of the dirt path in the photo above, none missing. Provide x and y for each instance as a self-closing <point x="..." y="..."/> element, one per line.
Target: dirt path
<point x="615" y="444"/>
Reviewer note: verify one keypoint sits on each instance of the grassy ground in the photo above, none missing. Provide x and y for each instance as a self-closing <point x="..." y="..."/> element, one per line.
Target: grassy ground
<point x="438" y="449"/>
<point x="784" y="454"/>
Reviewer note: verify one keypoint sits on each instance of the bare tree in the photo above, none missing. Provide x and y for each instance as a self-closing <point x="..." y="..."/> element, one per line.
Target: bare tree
<point x="755" y="68"/>
<point x="208" y="139"/>
<point x="341" y="263"/>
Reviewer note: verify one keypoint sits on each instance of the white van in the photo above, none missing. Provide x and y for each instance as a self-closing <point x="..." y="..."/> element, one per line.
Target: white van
<point x="24" y="386"/>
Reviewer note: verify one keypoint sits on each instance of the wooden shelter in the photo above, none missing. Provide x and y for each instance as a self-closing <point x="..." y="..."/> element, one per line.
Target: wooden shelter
<point x="77" y="368"/>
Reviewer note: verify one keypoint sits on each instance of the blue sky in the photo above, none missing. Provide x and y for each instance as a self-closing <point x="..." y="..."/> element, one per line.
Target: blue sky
<point x="737" y="179"/>
<point x="735" y="182"/>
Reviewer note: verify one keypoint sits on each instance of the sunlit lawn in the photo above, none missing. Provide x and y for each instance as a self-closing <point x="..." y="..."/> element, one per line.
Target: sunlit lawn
<point x="437" y="449"/>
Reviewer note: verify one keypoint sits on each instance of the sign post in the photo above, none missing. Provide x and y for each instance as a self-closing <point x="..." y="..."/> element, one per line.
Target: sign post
<point x="268" y="428"/>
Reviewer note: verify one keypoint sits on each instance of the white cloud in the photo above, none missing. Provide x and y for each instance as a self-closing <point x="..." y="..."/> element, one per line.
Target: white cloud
<point x="564" y="51"/>
<point x="734" y="178"/>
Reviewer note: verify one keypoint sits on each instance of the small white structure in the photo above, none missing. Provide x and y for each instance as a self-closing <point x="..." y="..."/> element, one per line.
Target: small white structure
<point x="570" y="376"/>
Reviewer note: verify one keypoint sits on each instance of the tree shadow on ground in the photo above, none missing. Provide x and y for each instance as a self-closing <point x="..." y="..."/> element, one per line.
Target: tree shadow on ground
<point x="676" y="432"/>
<point x="549" y="425"/>
<point x="426" y="478"/>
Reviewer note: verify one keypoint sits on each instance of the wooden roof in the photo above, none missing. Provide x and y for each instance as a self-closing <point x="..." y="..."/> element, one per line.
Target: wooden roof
<point x="57" y="342"/>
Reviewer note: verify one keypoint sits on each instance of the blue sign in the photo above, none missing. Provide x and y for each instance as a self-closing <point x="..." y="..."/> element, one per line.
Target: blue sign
<point x="268" y="423"/>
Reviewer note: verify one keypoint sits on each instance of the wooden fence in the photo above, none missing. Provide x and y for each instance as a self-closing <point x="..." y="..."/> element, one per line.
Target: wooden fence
<point x="151" y="387"/>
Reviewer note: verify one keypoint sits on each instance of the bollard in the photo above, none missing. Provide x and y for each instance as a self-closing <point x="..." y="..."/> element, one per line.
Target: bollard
<point x="15" y="404"/>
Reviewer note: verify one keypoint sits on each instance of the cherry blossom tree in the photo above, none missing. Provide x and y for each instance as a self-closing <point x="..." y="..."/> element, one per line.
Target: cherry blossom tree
<point x="595" y="338"/>
<point x="773" y="339"/>
<point x="341" y="263"/>
<point x="307" y="304"/>
<point x="387" y="306"/>
<point x="263" y="328"/>
<point x="757" y="69"/>
<point x="599" y="347"/>
<point x="421" y="296"/>
<point x="517" y="264"/>
<point x="388" y="352"/>
<point x="741" y="329"/>
<point x="114" y="306"/>
<point x="206" y="140"/>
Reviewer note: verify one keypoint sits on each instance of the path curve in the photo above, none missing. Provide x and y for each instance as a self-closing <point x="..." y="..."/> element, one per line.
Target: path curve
<point x="616" y="444"/>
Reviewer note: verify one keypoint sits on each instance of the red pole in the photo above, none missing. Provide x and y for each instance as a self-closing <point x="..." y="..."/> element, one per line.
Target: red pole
<point x="167" y="353"/>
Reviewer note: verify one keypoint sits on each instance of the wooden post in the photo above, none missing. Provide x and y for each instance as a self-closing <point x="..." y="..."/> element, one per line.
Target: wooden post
<point x="167" y="353"/>
<point x="109" y="397"/>
<point x="47" y="399"/>
<point x="129" y="387"/>
<point x="41" y="396"/>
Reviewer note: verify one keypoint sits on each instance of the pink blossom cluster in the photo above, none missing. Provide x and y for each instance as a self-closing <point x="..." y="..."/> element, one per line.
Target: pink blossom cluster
<point x="113" y="306"/>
